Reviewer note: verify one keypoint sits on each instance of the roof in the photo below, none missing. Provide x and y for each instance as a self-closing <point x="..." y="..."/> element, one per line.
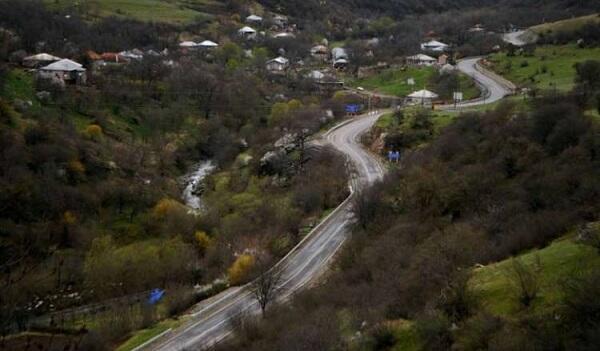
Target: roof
<point x="434" y="43"/>
<point x="64" y="65"/>
<point x="284" y="35"/>
<point x="188" y="44"/>
<point x="318" y="49"/>
<point x="282" y="60"/>
<point x="254" y="18"/>
<point x="421" y="57"/>
<point x="208" y="43"/>
<point x="316" y="75"/>
<point x="42" y="57"/>
<point x="247" y="29"/>
<point x="423" y="94"/>
<point x="339" y="53"/>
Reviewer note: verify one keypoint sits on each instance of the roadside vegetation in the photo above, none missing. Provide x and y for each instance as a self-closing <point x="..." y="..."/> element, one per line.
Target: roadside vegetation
<point x="543" y="67"/>
<point x="494" y="185"/>
<point x="395" y="82"/>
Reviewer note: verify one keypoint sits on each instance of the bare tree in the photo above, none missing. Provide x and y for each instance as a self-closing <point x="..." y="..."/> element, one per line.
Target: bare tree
<point x="267" y="287"/>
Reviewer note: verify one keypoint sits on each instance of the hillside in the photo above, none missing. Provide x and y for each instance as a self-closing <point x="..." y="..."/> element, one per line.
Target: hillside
<point x="567" y="25"/>
<point x="176" y="12"/>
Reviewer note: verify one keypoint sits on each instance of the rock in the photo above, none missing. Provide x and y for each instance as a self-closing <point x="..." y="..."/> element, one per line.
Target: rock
<point x="286" y="142"/>
<point x="43" y="96"/>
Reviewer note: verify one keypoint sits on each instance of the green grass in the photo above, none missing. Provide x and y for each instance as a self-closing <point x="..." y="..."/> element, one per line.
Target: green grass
<point x="141" y="336"/>
<point x="393" y="81"/>
<point x="551" y="67"/>
<point x="493" y="285"/>
<point x="174" y="11"/>
<point x="567" y="25"/>
<point x="407" y="337"/>
<point x="594" y="114"/>
<point x="19" y="85"/>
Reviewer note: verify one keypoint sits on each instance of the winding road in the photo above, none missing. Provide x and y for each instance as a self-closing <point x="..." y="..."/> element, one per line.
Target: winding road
<point x="493" y="87"/>
<point x="209" y="321"/>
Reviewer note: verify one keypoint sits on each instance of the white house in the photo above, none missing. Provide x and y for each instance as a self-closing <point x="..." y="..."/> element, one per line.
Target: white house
<point x="247" y="32"/>
<point x="422" y="97"/>
<point x="39" y="60"/>
<point x="339" y="58"/>
<point x="316" y="75"/>
<point x="188" y="44"/>
<point x="64" y="70"/>
<point x="208" y="44"/>
<point x="254" y="19"/>
<point x="278" y="64"/>
<point x="283" y="35"/>
<point x="319" y="52"/>
<point x="280" y="20"/>
<point x="434" y="45"/>
<point x="421" y="60"/>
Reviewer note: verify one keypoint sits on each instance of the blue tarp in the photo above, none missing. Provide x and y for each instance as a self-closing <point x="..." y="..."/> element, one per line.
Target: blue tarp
<point x="352" y="108"/>
<point x="155" y="296"/>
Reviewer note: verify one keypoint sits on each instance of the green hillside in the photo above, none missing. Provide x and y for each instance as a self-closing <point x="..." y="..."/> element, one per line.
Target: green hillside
<point x="569" y="25"/>
<point x="173" y="11"/>
<point x="549" y="67"/>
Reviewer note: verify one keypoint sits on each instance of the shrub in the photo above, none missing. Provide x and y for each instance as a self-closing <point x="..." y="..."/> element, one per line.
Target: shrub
<point x="203" y="241"/>
<point x="240" y="269"/>
<point x="93" y="131"/>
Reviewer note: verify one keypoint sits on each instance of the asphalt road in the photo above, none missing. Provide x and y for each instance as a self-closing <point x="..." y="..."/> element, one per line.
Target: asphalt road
<point x="210" y="320"/>
<point x="492" y="88"/>
<point x="514" y="38"/>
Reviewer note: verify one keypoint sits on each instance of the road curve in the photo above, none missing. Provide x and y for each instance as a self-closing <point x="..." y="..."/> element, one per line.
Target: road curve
<point x="209" y="320"/>
<point x="492" y="88"/>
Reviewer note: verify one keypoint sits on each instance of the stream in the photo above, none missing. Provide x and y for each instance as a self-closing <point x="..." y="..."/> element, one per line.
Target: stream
<point x="192" y="194"/>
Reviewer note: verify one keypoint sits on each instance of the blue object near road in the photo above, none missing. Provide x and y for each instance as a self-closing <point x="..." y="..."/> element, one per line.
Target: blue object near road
<point x="352" y="108"/>
<point x="394" y="156"/>
<point x="155" y="296"/>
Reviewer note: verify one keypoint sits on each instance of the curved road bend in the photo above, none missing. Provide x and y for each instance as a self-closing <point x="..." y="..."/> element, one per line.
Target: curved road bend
<point x="209" y="322"/>
<point x="491" y="89"/>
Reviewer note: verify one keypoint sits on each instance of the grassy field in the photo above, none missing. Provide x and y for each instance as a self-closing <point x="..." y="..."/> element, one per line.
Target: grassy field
<point x="141" y="336"/>
<point x="493" y="286"/>
<point x="567" y="25"/>
<point x="174" y="11"/>
<point x="551" y="67"/>
<point x="394" y="82"/>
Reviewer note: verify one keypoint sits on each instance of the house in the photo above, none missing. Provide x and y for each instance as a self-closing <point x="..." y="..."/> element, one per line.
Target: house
<point x="423" y="97"/>
<point x="135" y="54"/>
<point x="319" y="52"/>
<point x="64" y="70"/>
<point x="39" y="60"/>
<point x="434" y="45"/>
<point x="316" y="75"/>
<point x="283" y="35"/>
<point x="280" y="21"/>
<point x="188" y="44"/>
<point x="278" y="65"/>
<point x="421" y="60"/>
<point x="208" y="44"/>
<point x="247" y="32"/>
<point x="442" y="59"/>
<point x="478" y="28"/>
<point x="447" y="68"/>
<point x="339" y="58"/>
<point x="254" y="19"/>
